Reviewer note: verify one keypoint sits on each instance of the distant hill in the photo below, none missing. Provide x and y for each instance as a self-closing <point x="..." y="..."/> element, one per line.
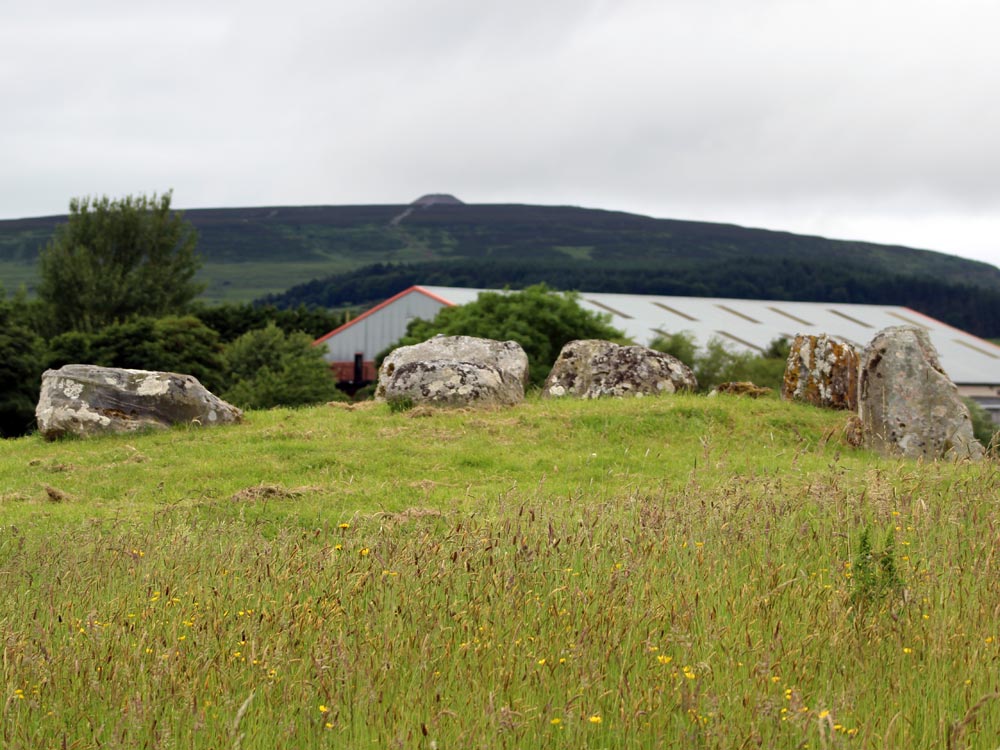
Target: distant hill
<point x="356" y="255"/>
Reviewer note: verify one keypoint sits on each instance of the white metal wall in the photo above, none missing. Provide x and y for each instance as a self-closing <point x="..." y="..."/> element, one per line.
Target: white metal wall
<point x="370" y="334"/>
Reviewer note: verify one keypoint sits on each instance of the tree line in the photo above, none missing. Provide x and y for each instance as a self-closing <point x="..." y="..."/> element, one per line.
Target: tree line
<point x="117" y="289"/>
<point x="972" y="308"/>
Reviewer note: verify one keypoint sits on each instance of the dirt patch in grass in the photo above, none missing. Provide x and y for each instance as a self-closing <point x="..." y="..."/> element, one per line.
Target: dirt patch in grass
<point x="412" y="514"/>
<point x="56" y="495"/>
<point x="418" y="412"/>
<point x="423" y="410"/>
<point x="54" y="467"/>
<point x="14" y="497"/>
<point x="272" y="492"/>
<point x="428" y="484"/>
<point x="352" y="406"/>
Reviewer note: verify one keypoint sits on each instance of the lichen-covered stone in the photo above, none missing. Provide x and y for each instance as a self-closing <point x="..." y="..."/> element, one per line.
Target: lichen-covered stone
<point x="86" y="400"/>
<point x="822" y="371"/>
<point x="592" y="368"/>
<point x="740" y="388"/>
<point x="908" y="405"/>
<point x="455" y="371"/>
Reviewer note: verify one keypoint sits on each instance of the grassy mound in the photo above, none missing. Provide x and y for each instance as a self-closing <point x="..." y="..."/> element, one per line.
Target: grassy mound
<point x="674" y="572"/>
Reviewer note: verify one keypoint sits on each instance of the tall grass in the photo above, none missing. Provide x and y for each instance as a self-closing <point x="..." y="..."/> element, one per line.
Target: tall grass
<point x="651" y="573"/>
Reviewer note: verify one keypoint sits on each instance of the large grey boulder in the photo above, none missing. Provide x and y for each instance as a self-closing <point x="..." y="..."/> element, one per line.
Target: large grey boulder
<point x="908" y="405"/>
<point x="89" y="400"/>
<point x="822" y="371"/>
<point x="592" y="368"/>
<point x="455" y="371"/>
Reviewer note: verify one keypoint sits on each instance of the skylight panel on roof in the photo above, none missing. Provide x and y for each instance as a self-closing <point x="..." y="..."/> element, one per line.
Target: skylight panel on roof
<point x="738" y="340"/>
<point x="738" y="314"/>
<point x="845" y="316"/>
<point x="789" y="315"/>
<point x="975" y="348"/>
<point x="611" y="310"/>
<point x="908" y="320"/>
<point x="668" y="334"/>
<point x="678" y="313"/>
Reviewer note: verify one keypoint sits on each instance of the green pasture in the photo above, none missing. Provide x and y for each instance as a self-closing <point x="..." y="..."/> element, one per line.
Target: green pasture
<point x="674" y="572"/>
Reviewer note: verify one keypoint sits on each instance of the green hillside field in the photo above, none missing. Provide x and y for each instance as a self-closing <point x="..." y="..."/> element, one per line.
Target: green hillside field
<point x="662" y="572"/>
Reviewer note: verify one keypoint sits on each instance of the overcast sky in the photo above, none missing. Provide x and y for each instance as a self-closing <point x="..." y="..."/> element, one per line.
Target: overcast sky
<point x="855" y="119"/>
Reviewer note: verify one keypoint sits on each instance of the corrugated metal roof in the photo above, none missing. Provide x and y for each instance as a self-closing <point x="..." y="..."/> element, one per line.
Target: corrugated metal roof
<point x="753" y="324"/>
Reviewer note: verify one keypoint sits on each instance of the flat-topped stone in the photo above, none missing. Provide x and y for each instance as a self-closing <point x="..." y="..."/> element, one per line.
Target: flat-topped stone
<point x="86" y="400"/>
<point x="593" y="368"/>
<point x="455" y="371"/>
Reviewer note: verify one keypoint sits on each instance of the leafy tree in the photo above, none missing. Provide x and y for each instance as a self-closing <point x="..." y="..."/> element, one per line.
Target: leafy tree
<point x="71" y="348"/>
<point x="680" y="345"/>
<point x="540" y="320"/>
<point x="269" y="367"/>
<point x="173" y="344"/>
<point x="720" y="363"/>
<point x="20" y="309"/>
<point x="233" y="320"/>
<point x="984" y="429"/>
<point x="118" y="259"/>
<point x="20" y="373"/>
<point x="768" y="372"/>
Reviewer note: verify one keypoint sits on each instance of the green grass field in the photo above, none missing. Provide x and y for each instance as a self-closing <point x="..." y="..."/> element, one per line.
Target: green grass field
<point x="245" y="282"/>
<point x="675" y="572"/>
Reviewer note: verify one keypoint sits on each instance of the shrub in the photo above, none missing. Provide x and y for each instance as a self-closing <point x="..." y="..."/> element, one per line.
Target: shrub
<point x="269" y="367"/>
<point x="983" y="427"/>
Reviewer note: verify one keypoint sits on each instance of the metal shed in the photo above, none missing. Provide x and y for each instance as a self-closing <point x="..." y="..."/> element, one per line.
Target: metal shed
<point x="972" y="363"/>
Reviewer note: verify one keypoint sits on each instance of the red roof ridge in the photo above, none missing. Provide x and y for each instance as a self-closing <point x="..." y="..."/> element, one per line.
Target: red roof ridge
<point x="366" y="313"/>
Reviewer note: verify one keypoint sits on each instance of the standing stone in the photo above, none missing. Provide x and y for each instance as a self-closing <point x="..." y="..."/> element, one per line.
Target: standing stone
<point x="822" y="371"/>
<point x="592" y="368"/>
<point x="908" y="405"/>
<point x="86" y="400"/>
<point x="455" y="371"/>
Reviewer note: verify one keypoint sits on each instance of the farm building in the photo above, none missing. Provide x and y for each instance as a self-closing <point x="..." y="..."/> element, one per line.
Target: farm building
<point x="972" y="363"/>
